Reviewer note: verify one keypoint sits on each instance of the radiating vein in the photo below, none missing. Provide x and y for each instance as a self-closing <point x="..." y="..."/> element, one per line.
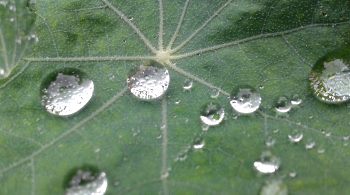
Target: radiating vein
<point x="132" y="25"/>
<point x="90" y="59"/>
<point x="4" y="50"/>
<point x="193" y="35"/>
<point x="30" y="140"/>
<point x="104" y="107"/>
<point x="32" y="168"/>
<point x="252" y="38"/>
<point x="196" y="78"/>
<point x="289" y="45"/>
<point x="164" y="127"/>
<point x="13" y="77"/>
<point x="297" y="124"/>
<point x="179" y="25"/>
<point x="161" y="25"/>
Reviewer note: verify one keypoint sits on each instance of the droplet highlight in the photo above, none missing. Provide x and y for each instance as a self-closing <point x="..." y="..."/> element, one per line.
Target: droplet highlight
<point x="245" y="100"/>
<point x="66" y="92"/>
<point x="212" y="114"/>
<point x="149" y="82"/>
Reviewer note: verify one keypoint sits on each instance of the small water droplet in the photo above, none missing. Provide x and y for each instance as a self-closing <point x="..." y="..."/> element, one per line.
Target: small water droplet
<point x="274" y="187"/>
<point x="245" y="100"/>
<point x="310" y="144"/>
<point x="295" y="136"/>
<point x="87" y="183"/>
<point x="283" y="105"/>
<point x="212" y="114"/>
<point x="215" y="93"/>
<point x="267" y="164"/>
<point x="296" y="100"/>
<point x="177" y="102"/>
<point x="321" y="150"/>
<point x="66" y="92"/>
<point x="12" y="8"/>
<point x="199" y="144"/>
<point x="149" y="82"/>
<point x="292" y="174"/>
<point x="2" y="73"/>
<point x="270" y="141"/>
<point x="330" y="77"/>
<point x="205" y="127"/>
<point x="188" y="84"/>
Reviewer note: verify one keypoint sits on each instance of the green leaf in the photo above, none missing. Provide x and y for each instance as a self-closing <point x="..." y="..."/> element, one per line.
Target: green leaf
<point x="15" y="34"/>
<point x="146" y="147"/>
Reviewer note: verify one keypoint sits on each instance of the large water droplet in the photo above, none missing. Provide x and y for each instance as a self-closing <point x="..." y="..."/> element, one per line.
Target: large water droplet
<point x="245" y="100"/>
<point x="274" y="187"/>
<point x="283" y="105"/>
<point x="66" y="92"/>
<point x="295" y="136"/>
<point x="87" y="183"/>
<point x="212" y="114"/>
<point x="149" y="82"/>
<point x="330" y="77"/>
<point x="268" y="163"/>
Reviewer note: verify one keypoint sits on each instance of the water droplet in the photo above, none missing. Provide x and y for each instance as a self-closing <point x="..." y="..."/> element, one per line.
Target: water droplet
<point x="205" y="127"/>
<point x="212" y="114"/>
<point x="245" y="100"/>
<point x="330" y="77"/>
<point x="177" y="102"/>
<point x="274" y="187"/>
<point x="12" y="8"/>
<point x="149" y="82"/>
<point x="188" y="84"/>
<point x="310" y="144"/>
<point x="295" y="136"/>
<point x="292" y="174"/>
<point x="2" y="73"/>
<point x="4" y="2"/>
<point x="283" y="105"/>
<point x="270" y="141"/>
<point x="296" y="100"/>
<point x="215" y="93"/>
<point x="321" y="150"/>
<point x="267" y="164"/>
<point x="199" y="144"/>
<point x="66" y="92"/>
<point x="87" y="183"/>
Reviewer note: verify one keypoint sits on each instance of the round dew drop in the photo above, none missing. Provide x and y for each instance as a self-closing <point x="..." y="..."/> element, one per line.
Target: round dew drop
<point x="283" y="105"/>
<point x="188" y="84"/>
<point x="330" y="77"/>
<point x="296" y="136"/>
<point x="212" y="114"/>
<point x="245" y="100"/>
<point x="267" y="164"/>
<point x="85" y="182"/>
<point x="66" y="92"/>
<point x="149" y="82"/>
